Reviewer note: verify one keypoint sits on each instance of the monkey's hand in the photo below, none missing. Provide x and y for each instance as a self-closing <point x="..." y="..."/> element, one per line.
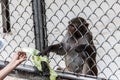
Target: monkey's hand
<point x="42" y="53"/>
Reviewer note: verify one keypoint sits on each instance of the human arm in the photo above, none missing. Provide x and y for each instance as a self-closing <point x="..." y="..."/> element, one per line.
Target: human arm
<point x="17" y="59"/>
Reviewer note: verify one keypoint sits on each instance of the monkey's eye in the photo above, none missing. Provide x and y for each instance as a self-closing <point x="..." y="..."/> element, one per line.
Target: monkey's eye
<point x="71" y="28"/>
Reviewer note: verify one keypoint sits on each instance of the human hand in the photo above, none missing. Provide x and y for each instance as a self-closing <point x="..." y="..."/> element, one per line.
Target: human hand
<point x="18" y="58"/>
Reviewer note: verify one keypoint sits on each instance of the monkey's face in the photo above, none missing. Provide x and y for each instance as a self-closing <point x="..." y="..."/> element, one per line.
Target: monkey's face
<point x="71" y="28"/>
<point x="77" y="26"/>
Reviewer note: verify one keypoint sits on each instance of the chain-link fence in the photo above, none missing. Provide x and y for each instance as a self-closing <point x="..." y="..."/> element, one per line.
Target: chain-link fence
<point x="20" y="32"/>
<point x="16" y="30"/>
<point x="103" y="16"/>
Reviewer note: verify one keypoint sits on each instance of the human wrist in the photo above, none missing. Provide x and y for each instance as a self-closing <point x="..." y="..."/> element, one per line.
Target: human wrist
<point x="13" y="64"/>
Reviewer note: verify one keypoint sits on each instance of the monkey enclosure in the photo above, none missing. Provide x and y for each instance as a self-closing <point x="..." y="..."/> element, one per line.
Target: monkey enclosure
<point x="39" y="23"/>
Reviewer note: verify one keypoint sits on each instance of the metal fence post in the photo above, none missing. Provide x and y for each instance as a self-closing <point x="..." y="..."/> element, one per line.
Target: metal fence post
<point x="5" y="16"/>
<point x="39" y="24"/>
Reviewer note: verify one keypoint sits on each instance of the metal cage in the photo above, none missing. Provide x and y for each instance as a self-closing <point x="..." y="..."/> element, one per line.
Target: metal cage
<point x="40" y="23"/>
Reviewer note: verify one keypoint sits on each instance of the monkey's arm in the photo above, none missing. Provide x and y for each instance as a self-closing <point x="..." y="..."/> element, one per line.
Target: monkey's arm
<point x="57" y="48"/>
<point x="91" y="60"/>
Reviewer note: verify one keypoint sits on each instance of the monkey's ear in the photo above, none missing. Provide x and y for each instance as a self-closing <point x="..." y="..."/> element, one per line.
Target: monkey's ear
<point x="86" y="24"/>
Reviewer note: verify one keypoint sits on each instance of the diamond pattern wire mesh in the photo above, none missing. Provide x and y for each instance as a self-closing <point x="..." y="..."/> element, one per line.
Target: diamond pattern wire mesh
<point x="22" y="30"/>
<point x="103" y="17"/>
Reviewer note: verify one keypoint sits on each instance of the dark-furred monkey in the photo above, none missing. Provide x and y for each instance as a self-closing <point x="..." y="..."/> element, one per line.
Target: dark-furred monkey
<point x="78" y="48"/>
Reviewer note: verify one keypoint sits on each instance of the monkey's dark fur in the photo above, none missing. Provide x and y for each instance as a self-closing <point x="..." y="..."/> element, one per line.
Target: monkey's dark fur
<point x="79" y="48"/>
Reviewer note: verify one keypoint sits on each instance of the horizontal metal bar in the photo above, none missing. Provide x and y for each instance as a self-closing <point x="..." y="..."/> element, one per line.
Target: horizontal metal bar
<point x="76" y="76"/>
<point x="65" y="75"/>
<point x="20" y="67"/>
